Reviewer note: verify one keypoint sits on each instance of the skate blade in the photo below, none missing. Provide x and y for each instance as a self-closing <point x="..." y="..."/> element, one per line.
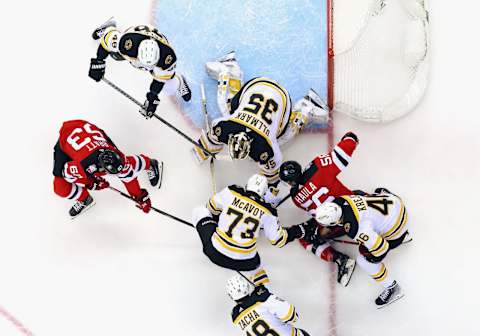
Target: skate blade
<point x="83" y="211"/>
<point x="160" y="171"/>
<point x="345" y="280"/>
<point x="398" y="297"/>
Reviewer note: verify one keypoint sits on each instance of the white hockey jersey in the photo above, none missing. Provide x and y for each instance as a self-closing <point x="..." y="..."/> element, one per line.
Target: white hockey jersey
<point x="266" y="314"/>
<point x="263" y="106"/>
<point x="116" y="41"/>
<point x="374" y="220"/>
<point x="241" y="217"/>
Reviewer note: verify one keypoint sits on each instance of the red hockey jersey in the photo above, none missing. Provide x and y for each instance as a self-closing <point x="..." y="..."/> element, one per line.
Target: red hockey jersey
<point x="319" y="183"/>
<point x="81" y="140"/>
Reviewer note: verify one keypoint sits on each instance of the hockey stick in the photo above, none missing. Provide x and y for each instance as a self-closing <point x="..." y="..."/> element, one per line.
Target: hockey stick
<point x="345" y="241"/>
<point x="207" y="152"/>
<point x="170" y="216"/>
<point x="207" y="129"/>
<point x="153" y="208"/>
<point x="283" y="200"/>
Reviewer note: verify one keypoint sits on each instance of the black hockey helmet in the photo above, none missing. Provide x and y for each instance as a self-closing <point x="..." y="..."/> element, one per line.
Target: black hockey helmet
<point x="110" y="160"/>
<point x="290" y="171"/>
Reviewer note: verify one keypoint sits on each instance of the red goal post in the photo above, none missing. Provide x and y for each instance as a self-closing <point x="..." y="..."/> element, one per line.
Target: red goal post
<point x="378" y="57"/>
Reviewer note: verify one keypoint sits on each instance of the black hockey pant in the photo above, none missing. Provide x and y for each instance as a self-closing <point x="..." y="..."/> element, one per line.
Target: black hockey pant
<point x="206" y="228"/>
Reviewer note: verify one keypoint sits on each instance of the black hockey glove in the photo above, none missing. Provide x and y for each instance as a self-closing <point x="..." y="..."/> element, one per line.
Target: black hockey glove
<point x="311" y="230"/>
<point x="305" y="231"/>
<point x="350" y="135"/>
<point x="97" y="69"/>
<point x="150" y="105"/>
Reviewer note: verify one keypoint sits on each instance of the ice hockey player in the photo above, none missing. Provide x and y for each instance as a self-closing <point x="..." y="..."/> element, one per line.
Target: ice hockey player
<point x="146" y="49"/>
<point x="316" y="184"/>
<point x="379" y="222"/>
<point x="84" y="154"/>
<point x="257" y="117"/>
<point x="229" y="228"/>
<point x="259" y="312"/>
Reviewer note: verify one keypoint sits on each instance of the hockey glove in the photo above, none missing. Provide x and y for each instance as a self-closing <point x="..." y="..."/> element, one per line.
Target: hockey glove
<point x="97" y="69"/>
<point x="370" y="257"/>
<point x="311" y="230"/>
<point x="150" y="105"/>
<point x="98" y="183"/>
<point x="350" y="135"/>
<point x="143" y="201"/>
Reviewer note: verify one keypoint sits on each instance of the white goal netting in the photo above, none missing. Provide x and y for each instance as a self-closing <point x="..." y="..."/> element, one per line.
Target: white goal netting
<point x="379" y="57"/>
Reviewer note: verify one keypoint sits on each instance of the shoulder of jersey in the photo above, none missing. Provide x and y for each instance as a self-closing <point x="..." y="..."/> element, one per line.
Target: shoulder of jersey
<point x="261" y="294"/>
<point x="350" y="220"/>
<point x="241" y="191"/>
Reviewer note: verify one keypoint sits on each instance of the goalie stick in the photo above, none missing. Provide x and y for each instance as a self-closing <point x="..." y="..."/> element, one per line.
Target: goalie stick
<point x="207" y="129"/>
<point x="207" y="152"/>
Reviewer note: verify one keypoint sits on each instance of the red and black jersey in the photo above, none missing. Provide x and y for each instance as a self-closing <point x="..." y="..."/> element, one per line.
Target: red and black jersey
<point x="76" y="156"/>
<point x="319" y="182"/>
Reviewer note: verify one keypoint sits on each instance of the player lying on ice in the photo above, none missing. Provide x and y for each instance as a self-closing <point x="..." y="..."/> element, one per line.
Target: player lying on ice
<point x="84" y="153"/>
<point x="379" y="222"/>
<point x="259" y="312"/>
<point x="257" y="117"/>
<point x="146" y="49"/>
<point x="229" y="228"/>
<point x="317" y="184"/>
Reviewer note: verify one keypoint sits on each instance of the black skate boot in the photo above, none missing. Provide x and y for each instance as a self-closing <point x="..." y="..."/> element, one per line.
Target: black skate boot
<point x="155" y="173"/>
<point x="98" y="33"/>
<point x="382" y="190"/>
<point x="346" y="267"/>
<point x="184" y="90"/>
<point x="389" y="295"/>
<point x="80" y="207"/>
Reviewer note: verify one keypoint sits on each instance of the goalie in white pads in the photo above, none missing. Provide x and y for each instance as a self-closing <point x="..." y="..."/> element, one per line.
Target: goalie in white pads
<point x="259" y="312"/>
<point x="379" y="223"/>
<point x="257" y="117"/>
<point x="146" y="49"/>
<point x="229" y="228"/>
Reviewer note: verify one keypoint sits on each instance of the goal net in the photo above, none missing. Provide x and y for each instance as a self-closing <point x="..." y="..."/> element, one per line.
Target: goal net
<point x="378" y="57"/>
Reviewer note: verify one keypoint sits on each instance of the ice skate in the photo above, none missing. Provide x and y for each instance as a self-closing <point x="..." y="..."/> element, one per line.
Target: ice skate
<point x="155" y="173"/>
<point x="225" y="64"/>
<point x="184" y="90"/>
<point x="312" y="108"/>
<point x="382" y="190"/>
<point x="98" y="33"/>
<point x="389" y="295"/>
<point x="80" y="207"/>
<point x="408" y="238"/>
<point x="346" y="267"/>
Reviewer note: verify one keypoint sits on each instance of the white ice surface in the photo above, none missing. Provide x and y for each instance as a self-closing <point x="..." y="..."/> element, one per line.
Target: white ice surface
<point x="115" y="271"/>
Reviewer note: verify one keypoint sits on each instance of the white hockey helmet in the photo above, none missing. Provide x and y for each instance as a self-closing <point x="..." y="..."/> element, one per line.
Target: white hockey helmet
<point x="238" y="287"/>
<point x="148" y="53"/>
<point x="257" y="184"/>
<point x="329" y="214"/>
<point x="239" y="145"/>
